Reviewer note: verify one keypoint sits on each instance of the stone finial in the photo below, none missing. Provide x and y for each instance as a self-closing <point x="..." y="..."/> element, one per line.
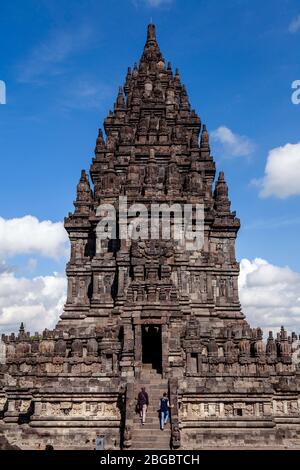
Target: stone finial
<point x="184" y="100"/>
<point x="135" y="71"/>
<point x="83" y="187"/>
<point x="84" y="194"/>
<point x="177" y="76"/>
<point x="120" y="102"/>
<point x="128" y="75"/>
<point x="259" y="348"/>
<point x="284" y="346"/>
<point x="204" y="142"/>
<point x="151" y="34"/>
<point x="100" y="143"/>
<point x="222" y="202"/>
<point x="259" y="333"/>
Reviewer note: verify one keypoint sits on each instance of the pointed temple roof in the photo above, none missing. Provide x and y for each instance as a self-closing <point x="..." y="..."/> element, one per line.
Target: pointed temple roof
<point x="152" y="83"/>
<point x="152" y="110"/>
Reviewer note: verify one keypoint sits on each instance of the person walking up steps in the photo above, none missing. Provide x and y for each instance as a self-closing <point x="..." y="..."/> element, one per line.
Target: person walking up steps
<point x="164" y="406"/>
<point x="143" y="403"/>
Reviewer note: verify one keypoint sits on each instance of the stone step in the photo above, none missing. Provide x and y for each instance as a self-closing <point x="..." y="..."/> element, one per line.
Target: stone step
<point x="149" y="427"/>
<point x="151" y="433"/>
<point x="149" y="418"/>
<point x="151" y="377"/>
<point x="152" y="382"/>
<point x="152" y="412"/>
<point x="153" y="396"/>
<point x="150" y="448"/>
<point x="153" y="393"/>
<point x="153" y="406"/>
<point x="151" y="444"/>
<point x="153" y="427"/>
<point x="150" y="386"/>
<point x="149" y="423"/>
<point x="139" y="447"/>
<point x="151" y="439"/>
<point x="147" y="373"/>
<point x="163" y="437"/>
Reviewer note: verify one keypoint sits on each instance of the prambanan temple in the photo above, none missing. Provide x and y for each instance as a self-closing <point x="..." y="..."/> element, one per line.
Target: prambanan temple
<point x="147" y="312"/>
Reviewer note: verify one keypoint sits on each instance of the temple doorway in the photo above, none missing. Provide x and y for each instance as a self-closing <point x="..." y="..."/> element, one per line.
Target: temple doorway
<point x="151" y="347"/>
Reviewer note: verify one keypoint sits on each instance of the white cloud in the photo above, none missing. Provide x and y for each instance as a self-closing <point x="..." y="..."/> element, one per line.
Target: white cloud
<point x="26" y="235"/>
<point x="48" y="57"/>
<point x="37" y="302"/>
<point x="294" y="25"/>
<point x="270" y="295"/>
<point x="233" y="145"/>
<point x="282" y="172"/>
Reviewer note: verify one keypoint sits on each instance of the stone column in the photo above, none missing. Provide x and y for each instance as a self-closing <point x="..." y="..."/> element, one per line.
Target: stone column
<point x="138" y="343"/>
<point x="164" y="349"/>
<point x="188" y="362"/>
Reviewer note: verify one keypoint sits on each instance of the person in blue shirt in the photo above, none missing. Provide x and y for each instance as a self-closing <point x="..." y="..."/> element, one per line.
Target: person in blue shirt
<point x="164" y="406"/>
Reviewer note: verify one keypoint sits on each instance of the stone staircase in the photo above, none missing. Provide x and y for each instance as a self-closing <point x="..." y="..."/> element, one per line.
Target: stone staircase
<point x="149" y="436"/>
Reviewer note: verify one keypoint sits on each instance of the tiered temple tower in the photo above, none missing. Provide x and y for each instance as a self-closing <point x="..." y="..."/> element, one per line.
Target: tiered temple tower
<point x="149" y="311"/>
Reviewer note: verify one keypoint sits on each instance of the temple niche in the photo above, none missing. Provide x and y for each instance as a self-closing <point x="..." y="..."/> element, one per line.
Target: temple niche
<point x="151" y="311"/>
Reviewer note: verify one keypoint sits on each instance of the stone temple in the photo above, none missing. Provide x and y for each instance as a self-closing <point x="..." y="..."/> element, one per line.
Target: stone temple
<point x="147" y="312"/>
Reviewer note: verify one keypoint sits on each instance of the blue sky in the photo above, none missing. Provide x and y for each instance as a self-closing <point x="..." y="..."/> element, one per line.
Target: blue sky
<point x="63" y="61"/>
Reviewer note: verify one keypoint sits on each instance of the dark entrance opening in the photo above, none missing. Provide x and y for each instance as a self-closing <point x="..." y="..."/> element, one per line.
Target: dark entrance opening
<point x="151" y="347"/>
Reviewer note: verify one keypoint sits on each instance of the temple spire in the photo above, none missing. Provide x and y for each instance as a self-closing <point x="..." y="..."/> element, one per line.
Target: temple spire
<point x="222" y="202"/>
<point x="100" y="143"/>
<point x="151" y="34"/>
<point x="204" y="143"/>
<point x="151" y="53"/>
<point x="120" y="102"/>
<point x="84" y="194"/>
